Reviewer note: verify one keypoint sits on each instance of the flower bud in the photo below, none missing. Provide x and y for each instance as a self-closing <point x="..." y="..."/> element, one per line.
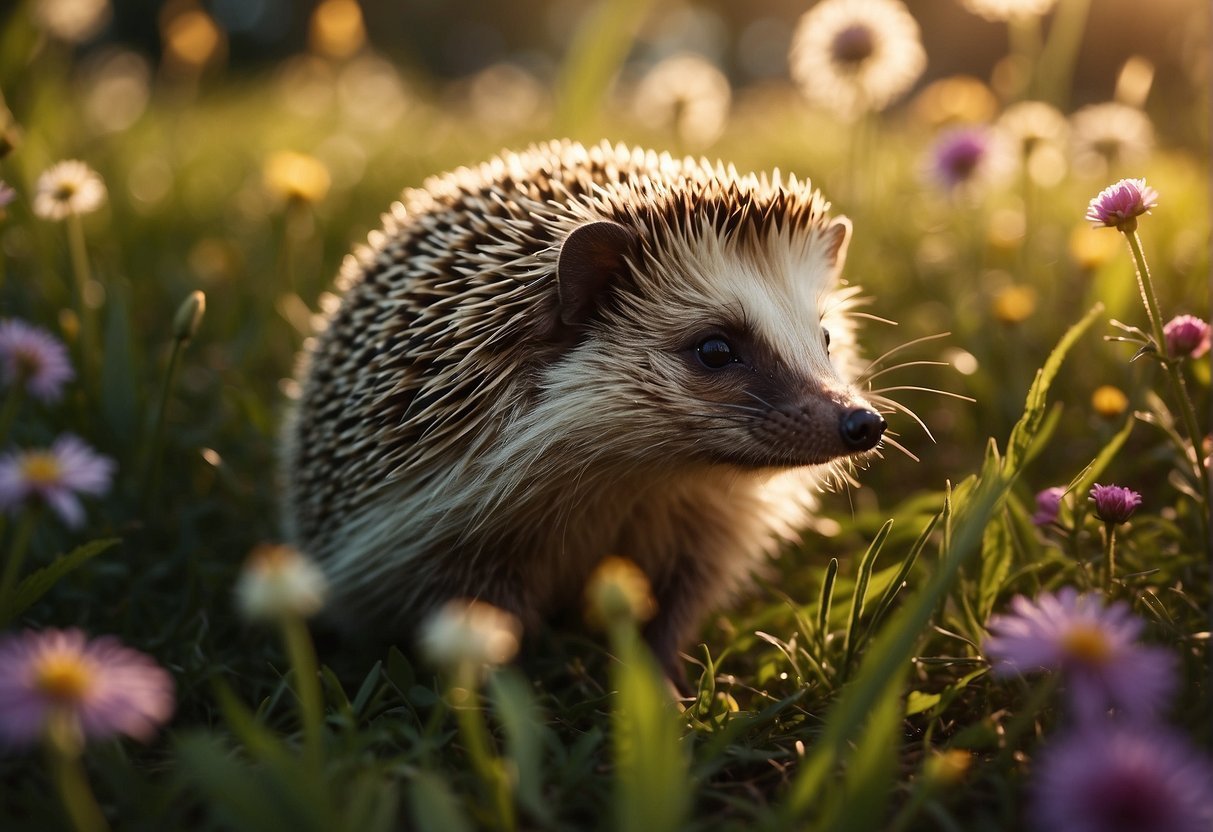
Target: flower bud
<point x="189" y="316"/>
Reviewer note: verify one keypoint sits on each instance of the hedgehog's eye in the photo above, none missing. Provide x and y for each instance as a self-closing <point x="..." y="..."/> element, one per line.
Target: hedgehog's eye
<point x="715" y="353"/>
<point x="825" y="334"/>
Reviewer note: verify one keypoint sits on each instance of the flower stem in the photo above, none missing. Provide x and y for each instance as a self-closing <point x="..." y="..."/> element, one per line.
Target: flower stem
<point x="1109" y="556"/>
<point x="1174" y="373"/>
<point x="152" y="472"/>
<point x="476" y="737"/>
<point x="302" y="655"/>
<point x="64" y="746"/>
<point x="1025" y="718"/>
<point x="16" y="559"/>
<point x="83" y="276"/>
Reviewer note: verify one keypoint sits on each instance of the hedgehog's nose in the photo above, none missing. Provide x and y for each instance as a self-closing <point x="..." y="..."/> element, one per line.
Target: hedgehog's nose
<point x="861" y="429"/>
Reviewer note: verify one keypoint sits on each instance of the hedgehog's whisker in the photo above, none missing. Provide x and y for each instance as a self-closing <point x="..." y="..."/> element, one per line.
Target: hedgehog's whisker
<point x="934" y="390"/>
<point x="876" y="362"/>
<point x="901" y="408"/>
<point x="902" y="365"/>
<point x="895" y="444"/>
<point x="760" y="400"/>
<point x="870" y="317"/>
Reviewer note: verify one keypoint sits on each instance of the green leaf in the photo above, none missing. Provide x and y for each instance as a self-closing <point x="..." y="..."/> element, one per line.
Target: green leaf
<point x="653" y="790"/>
<point x="997" y="558"/>
<point x="1029" y="424"/>
<point x="861" y="804"/>
<point x="38" y="583"/>
<point x="520" y="716"/>
<point x="866" y="564"/>
<point x="907" y="564"/>
<point x="917" y="702"/>
<point x="434" y="807"/>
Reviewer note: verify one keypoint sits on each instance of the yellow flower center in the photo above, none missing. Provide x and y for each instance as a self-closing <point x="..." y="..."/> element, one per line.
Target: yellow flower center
<point x="1088" y="644"/>
<point x="41" y="468"/>
<point x="64" y="678"/>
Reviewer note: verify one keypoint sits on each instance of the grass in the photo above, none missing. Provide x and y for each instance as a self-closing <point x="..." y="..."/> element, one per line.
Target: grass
<point x="848" y="692"/>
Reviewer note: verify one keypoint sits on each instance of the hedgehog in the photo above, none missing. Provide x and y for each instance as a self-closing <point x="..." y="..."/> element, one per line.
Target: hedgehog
<point x="568" y="353"/>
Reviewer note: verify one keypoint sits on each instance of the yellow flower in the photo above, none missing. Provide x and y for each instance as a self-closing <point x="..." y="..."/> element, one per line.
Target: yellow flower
<point x="1090" y="248"/>
<point x="619" y="590"/>
<point x="296" y="177"/>
<point x="192" y="39"/>
<point x="1015" y="304"/>
<point x="959" y="99"/>
<point x="1109" y="402"/>
<point x="336" y="29"/>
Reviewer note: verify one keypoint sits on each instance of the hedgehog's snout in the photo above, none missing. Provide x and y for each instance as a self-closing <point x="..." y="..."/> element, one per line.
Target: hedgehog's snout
<point x="861" y="428"/>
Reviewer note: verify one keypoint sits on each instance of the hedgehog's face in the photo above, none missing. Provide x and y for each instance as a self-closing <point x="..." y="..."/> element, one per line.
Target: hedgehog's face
<point x="737" y="353"/>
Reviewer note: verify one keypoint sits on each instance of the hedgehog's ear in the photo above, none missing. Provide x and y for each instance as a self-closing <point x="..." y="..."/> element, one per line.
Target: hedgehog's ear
<point x="592" y="256"/>
<point x="835" y="238"/>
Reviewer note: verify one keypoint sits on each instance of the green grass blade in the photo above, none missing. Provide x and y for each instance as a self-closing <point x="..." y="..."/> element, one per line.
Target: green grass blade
<point x="594" y="58"/>
<point x="825" y="602"/>
<point x="866" y="564"/>
<point x="41" y="581"/>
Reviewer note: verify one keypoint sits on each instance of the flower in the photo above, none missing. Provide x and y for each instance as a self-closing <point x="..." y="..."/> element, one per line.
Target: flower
<point x="957" y="99"/>
<point x="688" y="93"/>
<point x="336" y="28"/>
<point x="1118" y="206"/>
<point x="965" y="158"/>
<point x="470" y="634"/>
<point x="1008" y="9"/>
<point x="1108" y="136"/>
<point x="100" y="686"/>
<point x="1114" y="503"/>
<point x="73" y="21"/>
<point x="853" y="56"/>
<point x="1090" y="248"/>
<point x="1117" y="778"/>
<point x="54" y="476"/>
<point x="619" y="590"/>
<point x="7" y="195"/>
<point x="296" y="177"/>
<point x="1108" y="401"/>
<point x="1015" y="304"/>
<point x="1094" y="646"/>
<point x="32" y="357"/>
<point x="68" y="188"/>
<point x="1048" y="505"/>
<point x="1187" y="336"/>
<point x="279" y="581"/>
<point x="1039" y="133"/>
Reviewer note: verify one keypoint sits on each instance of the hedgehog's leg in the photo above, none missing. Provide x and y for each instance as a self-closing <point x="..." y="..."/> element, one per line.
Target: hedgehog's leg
<point x="684" y="595"/>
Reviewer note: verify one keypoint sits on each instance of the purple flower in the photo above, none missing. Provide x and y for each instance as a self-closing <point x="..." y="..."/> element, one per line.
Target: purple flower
<point x="1048" y="504"/>
<point x="1118" y="206"/>
<point x="101" y="686"/>
<point x="1187" y="336"/>
<point x="959" y="155"/>
<point x="1122" y="779"/>
<point x="1114" y="503"/>
<point x="7" y="195"/>
<point x="1094" y="646"/>
<point x="54" y="476"/>
<point x="31" y="356"/>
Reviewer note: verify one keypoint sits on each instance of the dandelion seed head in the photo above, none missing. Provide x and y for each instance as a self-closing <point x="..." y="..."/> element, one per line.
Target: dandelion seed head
<point x="279" y="581"/>
<point x="470" y="634"/>
<point x="68" y="188"/>
<point x="854" y="56"/>
<point x="1108" y="137"/>
<point x="999" y="10"/>
<point x="688" y="93"/>
<point x="619" y="590"/>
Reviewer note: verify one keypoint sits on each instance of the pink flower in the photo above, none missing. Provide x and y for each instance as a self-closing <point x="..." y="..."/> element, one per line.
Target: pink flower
<point x="1122" y="779"/>
<point x="101" y="686"/>
<point x="1048" y="504"/>
<point x="1187" y="336"/>
<point x="54" y="476"/>
<point x="1118" y="206"/>
<point x="33" y="357"/>
<point x="1094" y="646"/>
<point x="1115" y="503"/>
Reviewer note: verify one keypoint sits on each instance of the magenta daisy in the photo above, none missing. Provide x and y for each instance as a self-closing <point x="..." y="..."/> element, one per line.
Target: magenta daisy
<point x="1122" y="779"/>
<point x="54" y="476"/>
<point x="32" y="357"/>
<point x="1187" y="336"/>
<point x="101" y="686"/>
<point x="1095" y="647"/>
<point x="1048" y="505"/>
<point x="1114" y="503"/>
<point x="1118" y="206"/>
